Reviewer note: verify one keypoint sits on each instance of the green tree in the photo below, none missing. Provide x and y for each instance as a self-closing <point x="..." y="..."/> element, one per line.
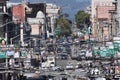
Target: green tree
<point x="82" y="18"/>
<point x="65" y="26"/>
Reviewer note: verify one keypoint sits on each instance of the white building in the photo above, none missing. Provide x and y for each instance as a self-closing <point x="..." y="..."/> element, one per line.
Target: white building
<point x="53" y="12"/>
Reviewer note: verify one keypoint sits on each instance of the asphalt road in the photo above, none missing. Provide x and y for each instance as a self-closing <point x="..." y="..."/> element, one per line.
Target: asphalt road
<point x="69" y="74"/>
<point x="64" y="63"/>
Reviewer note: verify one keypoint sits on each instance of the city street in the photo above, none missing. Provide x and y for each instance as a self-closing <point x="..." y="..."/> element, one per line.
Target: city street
<point x="59" y="39"/>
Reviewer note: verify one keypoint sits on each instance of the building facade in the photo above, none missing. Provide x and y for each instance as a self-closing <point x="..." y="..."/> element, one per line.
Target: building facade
<point x="37" y="18"/>
<point x="53" y="12"/>
<point x="118" y="15"/>
<point x="3" y="13"/>
<point x="102" y="26"/>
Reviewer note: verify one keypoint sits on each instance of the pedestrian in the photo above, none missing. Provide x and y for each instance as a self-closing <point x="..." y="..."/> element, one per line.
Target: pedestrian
<point x="21" y="64"/>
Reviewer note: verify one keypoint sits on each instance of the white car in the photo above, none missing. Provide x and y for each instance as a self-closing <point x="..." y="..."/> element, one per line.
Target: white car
<point x="69" y="67"/>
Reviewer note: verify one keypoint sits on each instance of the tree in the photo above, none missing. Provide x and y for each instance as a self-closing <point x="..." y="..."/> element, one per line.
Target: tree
<point x="65" y="26"/>
<point x="82" y="18"/>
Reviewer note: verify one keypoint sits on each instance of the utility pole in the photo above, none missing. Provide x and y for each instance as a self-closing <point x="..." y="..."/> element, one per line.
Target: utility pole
<point x="45" y="22"/>
<point x="21" y="34"/>
<point x="6" y="33"/>
<point x="112" y="24"/>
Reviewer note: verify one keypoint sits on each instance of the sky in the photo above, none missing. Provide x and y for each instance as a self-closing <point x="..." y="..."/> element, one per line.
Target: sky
<point x="68" y="6"/>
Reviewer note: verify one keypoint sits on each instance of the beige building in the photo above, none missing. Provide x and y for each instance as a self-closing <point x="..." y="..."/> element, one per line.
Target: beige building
<point x="102" y="28"/>
<point x="37" y="23"/>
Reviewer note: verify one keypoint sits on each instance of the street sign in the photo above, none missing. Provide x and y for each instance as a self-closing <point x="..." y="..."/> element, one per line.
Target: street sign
<point x="57" y="31"/>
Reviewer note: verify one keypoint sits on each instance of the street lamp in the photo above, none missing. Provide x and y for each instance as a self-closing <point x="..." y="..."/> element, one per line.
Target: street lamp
<point x="6" y="30"/>
<point x="112" y="24"/>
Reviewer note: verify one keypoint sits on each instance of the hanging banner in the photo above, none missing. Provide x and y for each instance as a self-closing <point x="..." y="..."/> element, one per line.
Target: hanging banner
<point x="16" y="54"/>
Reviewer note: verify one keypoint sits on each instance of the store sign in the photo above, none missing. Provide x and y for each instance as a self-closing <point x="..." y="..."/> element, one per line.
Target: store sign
<point x="23" y="53"/>
<point x="10" y="53"/>
<point x="2" y="55"/>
